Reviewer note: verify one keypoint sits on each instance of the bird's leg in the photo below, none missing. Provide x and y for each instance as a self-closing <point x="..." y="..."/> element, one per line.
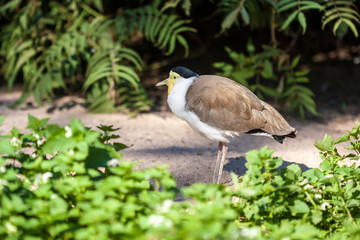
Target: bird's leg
<point x="220" y="162"/>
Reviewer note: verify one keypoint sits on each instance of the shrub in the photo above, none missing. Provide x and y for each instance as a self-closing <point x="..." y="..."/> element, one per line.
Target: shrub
<point x="289" y="203"/>
<point x="70" y="183"/>
<point x="51" y="188"/>
<point x="271" y="73"/>
<point x="73" y="45"/>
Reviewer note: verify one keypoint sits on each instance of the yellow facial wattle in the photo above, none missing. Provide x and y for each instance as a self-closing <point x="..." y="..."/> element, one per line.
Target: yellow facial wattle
<point x="169" y="81"/>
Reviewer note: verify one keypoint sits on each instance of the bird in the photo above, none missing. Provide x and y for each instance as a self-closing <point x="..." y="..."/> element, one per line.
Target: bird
<point x="219" y="108"/>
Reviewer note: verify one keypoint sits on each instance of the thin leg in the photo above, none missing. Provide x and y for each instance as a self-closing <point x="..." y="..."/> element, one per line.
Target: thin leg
<point x="220" y="162"/>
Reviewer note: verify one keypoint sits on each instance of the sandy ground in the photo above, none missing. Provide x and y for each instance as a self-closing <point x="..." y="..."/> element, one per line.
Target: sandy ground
<point x="160" y="138"/>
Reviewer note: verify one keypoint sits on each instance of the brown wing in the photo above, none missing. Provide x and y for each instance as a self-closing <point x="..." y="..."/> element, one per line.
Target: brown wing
<point x="227" y="105"/>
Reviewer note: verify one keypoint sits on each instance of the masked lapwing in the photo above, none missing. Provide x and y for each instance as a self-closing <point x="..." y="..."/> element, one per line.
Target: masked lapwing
<point x="218" y="108"/>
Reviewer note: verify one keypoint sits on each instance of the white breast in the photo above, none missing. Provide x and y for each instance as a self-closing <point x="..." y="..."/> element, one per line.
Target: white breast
<point x="176" y="100"/>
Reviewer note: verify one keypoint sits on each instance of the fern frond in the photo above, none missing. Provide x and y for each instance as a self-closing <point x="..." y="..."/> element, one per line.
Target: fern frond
<point x="341" y="13"/>
<point x="164" y="30"/>
<point x="297" y="8"/>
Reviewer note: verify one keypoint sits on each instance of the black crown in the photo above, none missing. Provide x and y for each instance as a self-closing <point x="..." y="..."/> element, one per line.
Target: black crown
<point x="184" y="72"/>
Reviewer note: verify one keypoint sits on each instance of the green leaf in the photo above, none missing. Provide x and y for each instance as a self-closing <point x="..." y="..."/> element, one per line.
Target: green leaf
<point x="343" y="138"/>
<point x="289" y="20"/>
<point x="292" y="172"/>
<point x="352" y="27"/>
<point x="295" y="61"/>
<point x="325" y="165"/>
<point x="230" y="18"/>
<point x="353" y="203"/>
<point x="36" y="124"/>
<point x="245" y="15"/>
<point x="269" y="91"/>
<point x="327" y="145"/>
<point x="316" y="216"/>
<point x="300" y="207"/>
<point x="184" y="43"/>
<point x="6" y="147"/>
<point x="268" y="69"/>
<point x="302" y="21"/>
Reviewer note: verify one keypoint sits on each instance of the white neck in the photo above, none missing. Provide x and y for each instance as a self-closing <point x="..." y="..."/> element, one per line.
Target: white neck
<point x="177" y="96"/>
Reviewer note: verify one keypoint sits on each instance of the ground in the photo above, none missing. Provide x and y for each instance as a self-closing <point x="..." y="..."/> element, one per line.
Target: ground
<point x="158" y="138"/>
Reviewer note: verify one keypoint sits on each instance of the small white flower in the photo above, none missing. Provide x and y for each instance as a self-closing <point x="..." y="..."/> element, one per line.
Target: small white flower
<point x="10" y="227"/>
<point x="53" y="196"/>
<point x="36" y="136"/>
<point x="308" y="186"/>
<point x="45" y="177"/>
<point x="250" y="232"/>
<point x="113" y="162"/>
<point x="68" y="132"/>
<point x="305" y="181"/>
<point x="40" y="142"/>
<point x="42" y="178"/>
<point x="165" y="206"/>
<point x="33" y="155"/>
<point x="15" y="142"/>
<point x="71" y="152"/>
<point x="324" y="206"/>
<point x="33" y="187"/>
<point x="318" y="195"/>
<point x="158" y="220"/>
<point x="2" y="169"/>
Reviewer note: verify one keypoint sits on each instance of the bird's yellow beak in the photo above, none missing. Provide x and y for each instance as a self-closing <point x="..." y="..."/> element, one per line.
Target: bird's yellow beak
<point x="163" y="82"/>
<point x="168" y="82"/>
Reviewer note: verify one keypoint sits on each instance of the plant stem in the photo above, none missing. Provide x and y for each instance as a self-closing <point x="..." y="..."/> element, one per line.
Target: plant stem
<point x="273" y="27"/>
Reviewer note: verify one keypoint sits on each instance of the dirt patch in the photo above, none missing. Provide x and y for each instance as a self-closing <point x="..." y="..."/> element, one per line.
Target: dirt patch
<point x="161" y="138"/>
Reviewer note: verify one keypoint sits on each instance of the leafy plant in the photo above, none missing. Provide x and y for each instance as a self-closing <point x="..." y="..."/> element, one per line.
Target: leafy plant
<point x="70" y="183"/>
<point x="344" y="13"/>
<point x="54" y="45"/>
<point x="279" y="16"/>
<point x="256" y="69"/>
<point x="298" y="8"/>
<point x="314" y="204"/>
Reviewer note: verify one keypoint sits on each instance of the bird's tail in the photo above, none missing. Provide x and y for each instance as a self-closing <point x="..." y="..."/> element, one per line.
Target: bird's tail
<point x="281" y="139"/>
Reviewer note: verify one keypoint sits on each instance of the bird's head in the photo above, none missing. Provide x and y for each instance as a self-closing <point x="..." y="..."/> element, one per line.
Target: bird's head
<point x="175" y="74"/>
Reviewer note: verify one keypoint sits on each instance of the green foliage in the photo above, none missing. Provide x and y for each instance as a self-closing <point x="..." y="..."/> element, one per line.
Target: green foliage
<point x="164" y="30"/>
<point x="344" y="13"/>
<point x="57" y="191"/>
<point x="55" y="45"/>
<point x="298" y="8"/>
<point x="279" y="16"/>
<point x="288" y="203"/>
<point x="70" y="183"/>
<point x="258" y="13"/>
<point x="272" y="73"/>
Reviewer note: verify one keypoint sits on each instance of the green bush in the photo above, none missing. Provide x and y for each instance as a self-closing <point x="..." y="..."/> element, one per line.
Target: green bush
<point x="76" y="46"/>
<point x="67" y="45"/>
<point x="70" y="183"/>
<point x="51" y="188"/>
<point x="289" y="203"/>
<point x="272" y="73"/>
<point x="287" y="17"/>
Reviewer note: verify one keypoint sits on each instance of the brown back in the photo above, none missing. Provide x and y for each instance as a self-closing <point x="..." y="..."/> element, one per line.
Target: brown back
<point x="228" y="105"/>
